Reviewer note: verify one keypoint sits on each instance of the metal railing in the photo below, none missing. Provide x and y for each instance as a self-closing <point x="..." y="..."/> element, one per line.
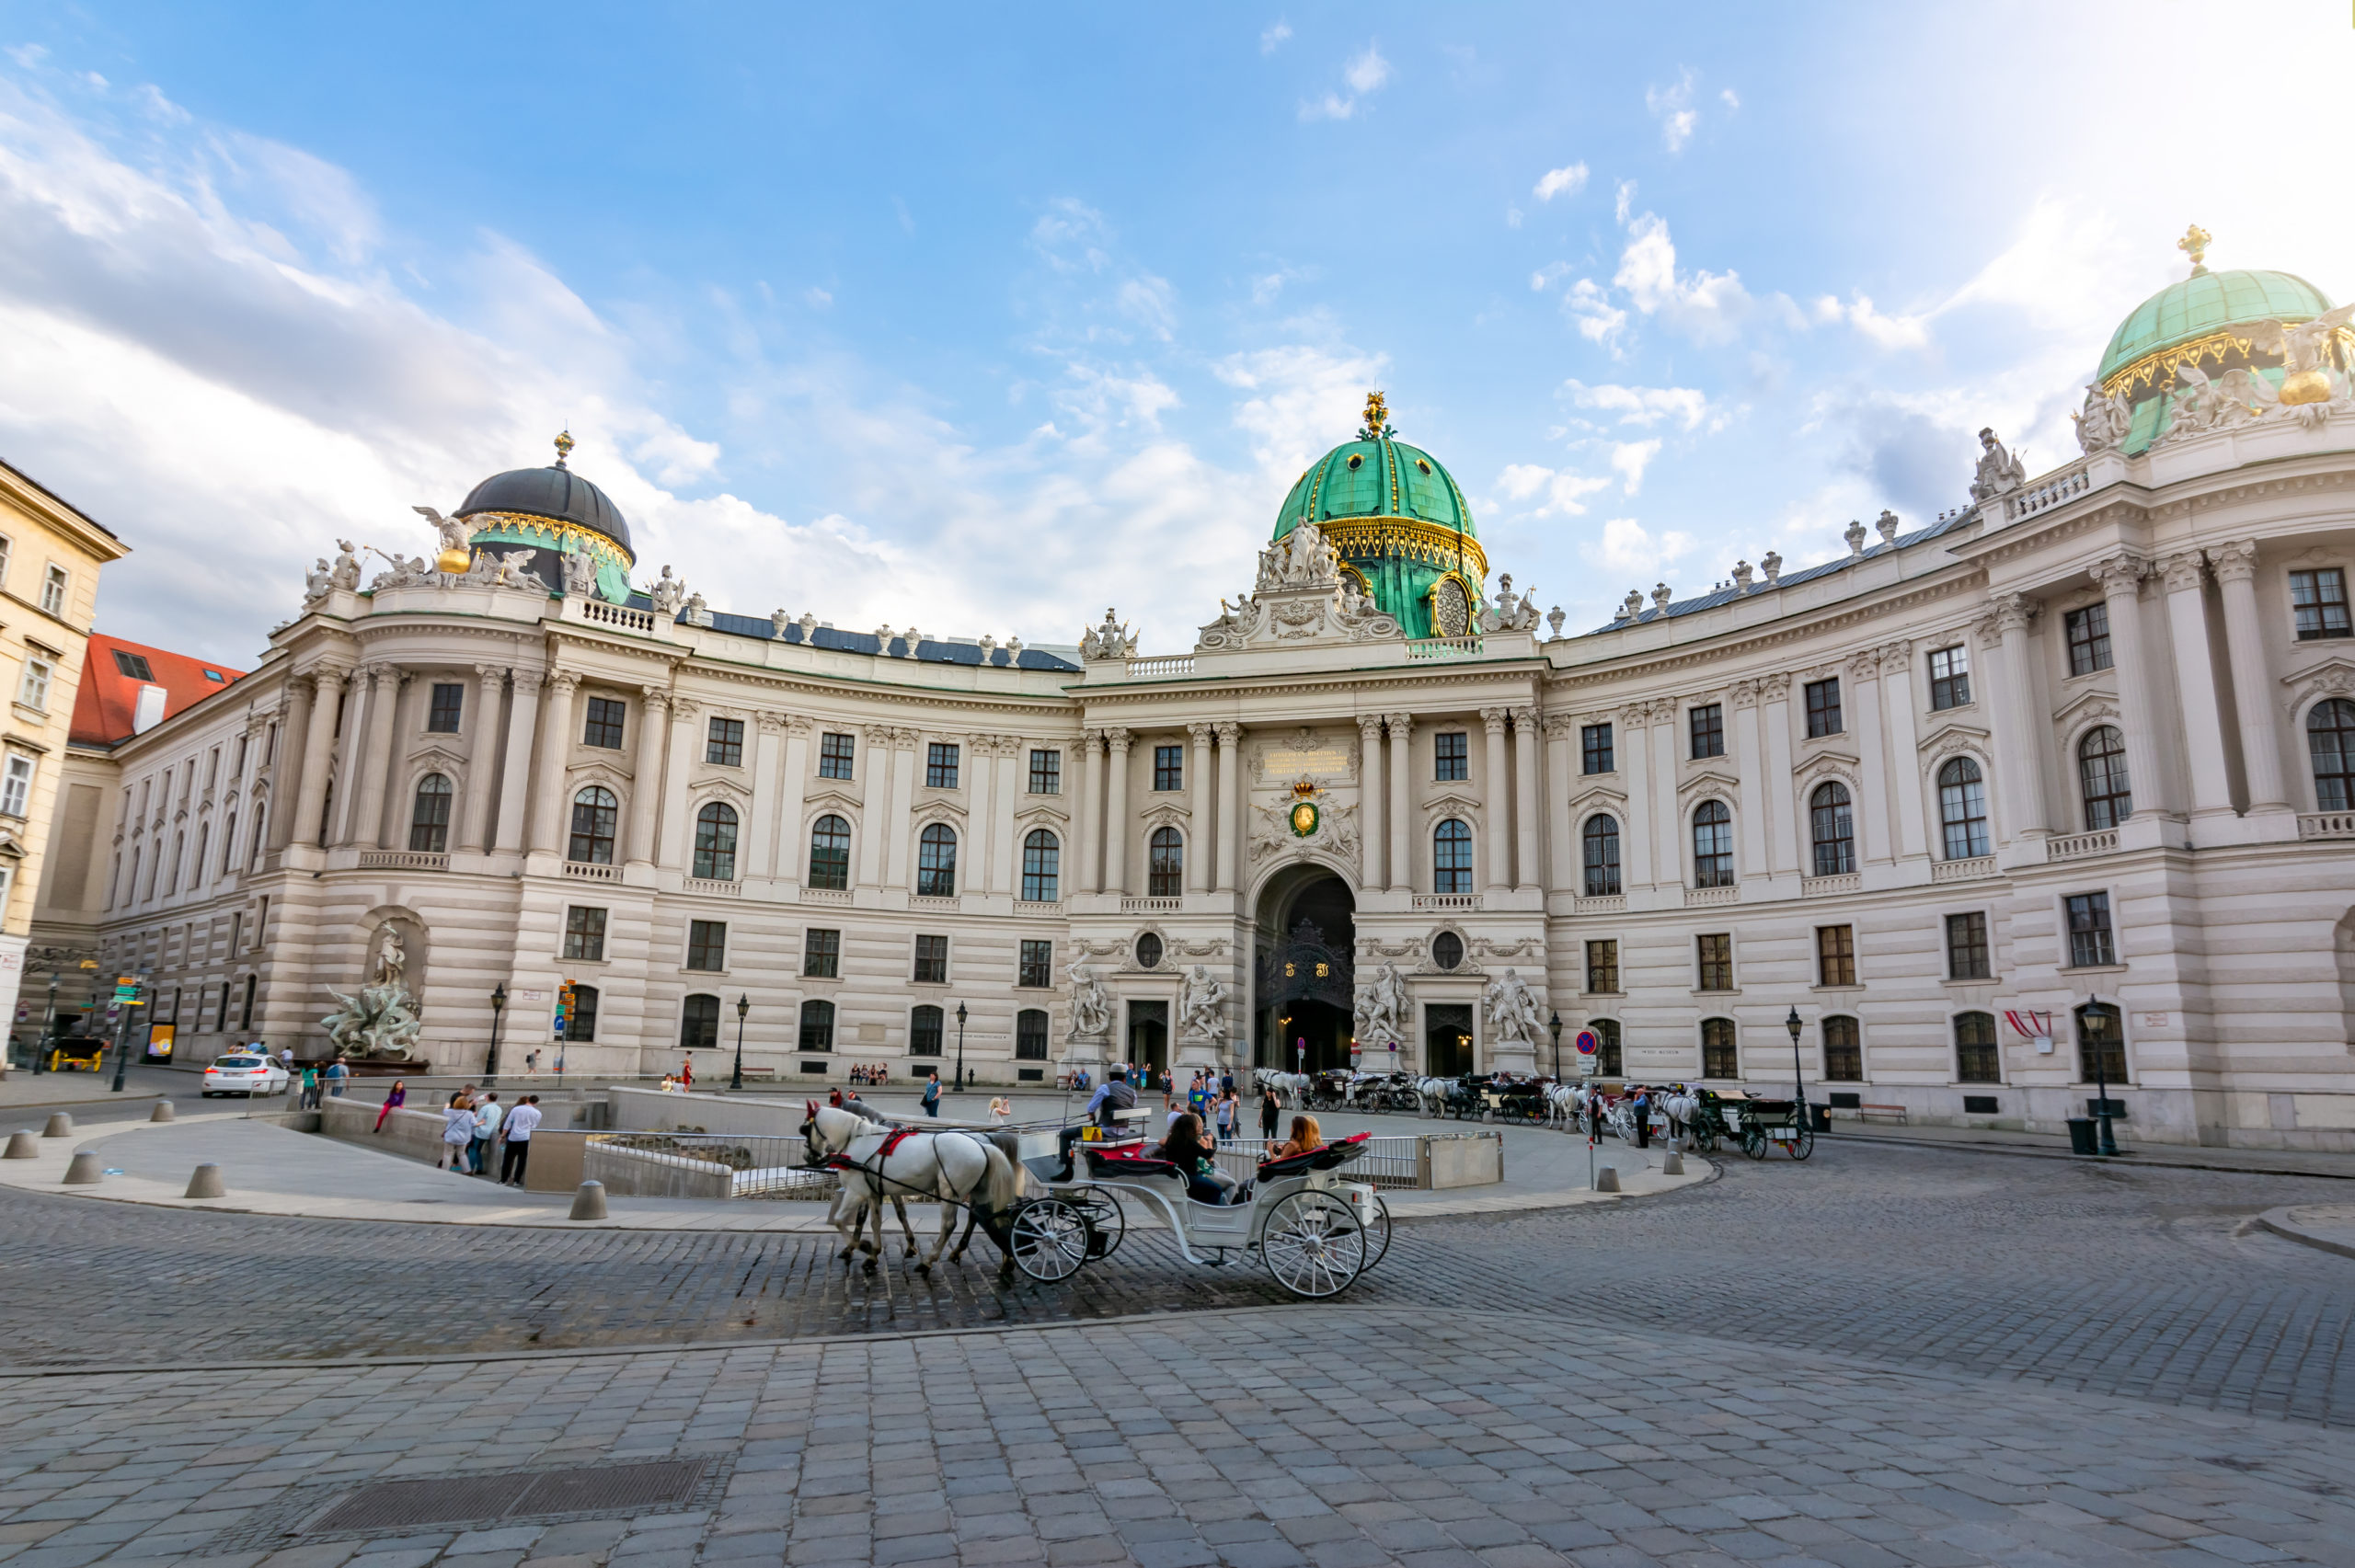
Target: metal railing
<point x="719" y="1164"/>
<point x="1392" y="1163"/>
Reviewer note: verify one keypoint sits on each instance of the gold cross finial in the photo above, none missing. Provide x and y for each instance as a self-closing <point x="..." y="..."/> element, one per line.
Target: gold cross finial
<point x="1377" y="417"/>
<point x="563" y="447"/>
<point x="2194" y="244"/>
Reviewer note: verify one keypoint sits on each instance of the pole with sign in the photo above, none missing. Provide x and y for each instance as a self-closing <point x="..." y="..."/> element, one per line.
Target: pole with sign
<point x="126" y="996"/>
<point x="1589" y="1043"/>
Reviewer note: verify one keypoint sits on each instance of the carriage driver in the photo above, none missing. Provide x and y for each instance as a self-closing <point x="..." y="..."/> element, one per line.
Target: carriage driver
<point x="1113" y="1095"/>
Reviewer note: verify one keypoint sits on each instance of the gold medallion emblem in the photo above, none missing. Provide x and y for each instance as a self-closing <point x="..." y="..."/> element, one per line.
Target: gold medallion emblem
<point x="1303" y="819"/>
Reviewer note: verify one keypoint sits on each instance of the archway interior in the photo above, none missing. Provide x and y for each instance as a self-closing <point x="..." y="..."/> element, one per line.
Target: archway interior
<point x="1307" y="941"/>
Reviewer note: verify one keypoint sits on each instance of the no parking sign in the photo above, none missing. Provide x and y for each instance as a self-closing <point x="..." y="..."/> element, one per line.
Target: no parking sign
<point x="1589" y="1043"/>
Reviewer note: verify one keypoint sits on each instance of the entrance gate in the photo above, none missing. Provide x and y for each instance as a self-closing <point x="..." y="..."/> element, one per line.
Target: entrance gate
<point x="1306" y="985"/>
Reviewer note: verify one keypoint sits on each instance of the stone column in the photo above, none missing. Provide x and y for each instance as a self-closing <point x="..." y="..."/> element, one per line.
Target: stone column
<point x="319" y="742"/>
<point x="1090" y="827"/>
<point x="1751" y="781"/>
<point x="761" y="832"/>
<point x="898" y="844"/>
<point x="2195" y="683"/>
<point x="1006" y="859"/>
<point x="1116" y="815"/>
<point x="359" y="713"/>
<point x="2121" y="576"/>
<point x="2236" y="568"/>
<point x="515" y="775"/>
<point x="676" y="826"/>
<point x="979" y="774"/>
<point x="1782" y="811"/>
<point x="2019" y="727"/>
<point x="875" y="806"/>
<point x="1863" y="675"/>
<point x="286" y="769"/>
<point x="550" y="817"/>
<point x="791" y="839"/>
<point x="1230" y="805"/>
<point x="1369" y="792"/>
<point x="1401" y="868"/>
<point x="1668" y="819"/>
<point x="1496" y="796"/>
<point x="1633" y="743"/>
<point x="482" y="754"/>
<point x="1903" y="764"/>
<point x="1561" y="872"/>
<point x="1198" y="791"/>
<point x="1525" y="828"/>
<point x="384" y="685"/>
<point x="646" y="777"/>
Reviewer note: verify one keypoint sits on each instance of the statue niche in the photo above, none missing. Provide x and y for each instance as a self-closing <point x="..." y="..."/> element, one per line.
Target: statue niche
<point x="379" y="1022"/>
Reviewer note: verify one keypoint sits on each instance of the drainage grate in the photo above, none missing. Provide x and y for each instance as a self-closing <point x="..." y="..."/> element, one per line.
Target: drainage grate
<point x="449" y="1501"/>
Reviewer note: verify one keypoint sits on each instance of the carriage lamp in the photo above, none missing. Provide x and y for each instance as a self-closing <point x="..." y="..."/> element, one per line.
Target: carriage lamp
<point x="497" y="1006"/>
<point x="1798" y="1083"/>
<point x="1553" y="1025"/>
<point x="960" y="1047"/>
<point x="743" y="1005"/>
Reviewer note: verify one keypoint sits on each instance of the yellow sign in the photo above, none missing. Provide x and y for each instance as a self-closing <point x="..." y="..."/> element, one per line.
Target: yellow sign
<point x="160" y="1039"/>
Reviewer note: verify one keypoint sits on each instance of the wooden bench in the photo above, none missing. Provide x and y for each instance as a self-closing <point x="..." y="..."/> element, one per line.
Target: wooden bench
<point x="1882" y="1113"/>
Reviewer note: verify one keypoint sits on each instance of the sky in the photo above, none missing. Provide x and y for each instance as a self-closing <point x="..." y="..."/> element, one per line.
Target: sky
<point x="982" y="320"/>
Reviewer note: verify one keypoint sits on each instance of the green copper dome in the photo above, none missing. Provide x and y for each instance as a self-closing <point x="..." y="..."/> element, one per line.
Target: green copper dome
<point x="2201" y="306"/>
<point x="1376" y="477"/>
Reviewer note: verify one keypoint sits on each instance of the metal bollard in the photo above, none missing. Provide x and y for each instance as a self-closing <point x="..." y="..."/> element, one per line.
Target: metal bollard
<point x="162" y="1113"/>
<point x="206" y="1183"/>
<point x="23" y="1144"/>
<point x="588" y="1201"/>
<point x="1607" y="1179"/>
<point x="59" y="1125"/>
<point x="84" y="1171"/>
<point x="1673" y="1165"/>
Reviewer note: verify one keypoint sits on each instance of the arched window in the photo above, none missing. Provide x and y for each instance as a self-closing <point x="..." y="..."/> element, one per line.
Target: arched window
<point x="428" y="818"/>
<point x="1601" y="838"/>
<point x="1041" y="867"/>
<point x="594" y="812"/>
<point x="1975" y="1058"/>
<point x="699" y="1024"/>
<point x="925" y="1026"/>
<point x="1712" y="846"/>
<point x="2331" y="740"/>
<point x="1608" y="1057"/>
<point x="261" y="828"/>
<point x="1962" y="809"/>
<point x="1164" y="864"/>
<point x="1831" y="824"/>
<point x="830" y="853"/>
<point x="580" y="1024"/>
<point x="936" y="862"/>
<point x="817" y="1027"/>
<point x="229" y="844"/>
<point x="179" y="842"/>
<point x="204" y="846"/>
<point x="1452" y="857"/>
<point x="1718" y="1057"/>
<point x="2101" y="769"/>
<point x="716" y="843"/>
<point x="1030" y="1035"/>
<point x="1843" y="1051"/>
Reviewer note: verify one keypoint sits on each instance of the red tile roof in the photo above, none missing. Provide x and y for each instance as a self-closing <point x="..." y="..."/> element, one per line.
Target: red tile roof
<point x="105" y="706"/>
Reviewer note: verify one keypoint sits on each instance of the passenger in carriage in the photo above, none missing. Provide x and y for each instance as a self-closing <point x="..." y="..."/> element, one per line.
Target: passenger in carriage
<point x="1305" y="1138"/>
<point x="1185" y="1149"/>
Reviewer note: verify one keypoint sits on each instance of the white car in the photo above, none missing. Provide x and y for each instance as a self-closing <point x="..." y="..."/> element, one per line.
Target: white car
<point x="245" y="1074"/>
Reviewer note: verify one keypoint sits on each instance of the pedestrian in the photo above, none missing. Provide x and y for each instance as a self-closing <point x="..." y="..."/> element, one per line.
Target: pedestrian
<point x="687" y="1075"/>
<point x="932" y="1091"/>
<point x="1198" y="1097"/>
<point x="518" y="1152"/>
<point x="310" y="1086"/>
<point x="286" y="1058"/>
<point x="1643" y="1117"/>
<point x="481" y="1152"/>
<point x="1271" y="1113"/>
<point x="1229" y="1108"/>
<point x="337" y="1074"/>
<point x="394" y="1099"/>
<point x="458" y="1134"/>
<point x="531" y="1063"/>
<point x="1000" y="1107"/>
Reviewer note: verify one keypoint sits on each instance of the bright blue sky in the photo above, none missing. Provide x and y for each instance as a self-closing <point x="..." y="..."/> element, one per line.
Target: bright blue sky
<point x="980" y="322"/>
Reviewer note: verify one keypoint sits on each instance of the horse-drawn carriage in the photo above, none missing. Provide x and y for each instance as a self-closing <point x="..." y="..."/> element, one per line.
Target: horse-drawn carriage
<point x="1755" y="1125"/>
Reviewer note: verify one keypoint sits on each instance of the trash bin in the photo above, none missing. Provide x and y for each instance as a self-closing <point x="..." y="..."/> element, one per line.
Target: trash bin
<point x="2081" y="1136"/>
<point x="1819" y="1117"/>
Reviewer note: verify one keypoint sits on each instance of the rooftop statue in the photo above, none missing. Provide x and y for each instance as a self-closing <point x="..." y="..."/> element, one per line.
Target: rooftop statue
<point x="2000" y="473"/>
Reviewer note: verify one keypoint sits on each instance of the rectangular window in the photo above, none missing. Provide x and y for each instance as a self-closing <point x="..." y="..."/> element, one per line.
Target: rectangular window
<point x="699" y="1024"/>
<point x="1976" y="1058"/>
<point x="134" y="664"/>
<point x="448" y="702"/>
<point x="1949" y="677"/>
<point x="581" y="1025"/>
<point x="1967" y="947"/>
<point x="707" y="944"/>
<point x="1835" y="954"/>
<point x="54" y="583"/>
<point x="1708" y="726"/>
<point x="1608" y="1061"/>
<point x="2089" y="638"/>
<point x="1843" y="1051"/>
<point x="1602" y="967"/>
<point x="1719" y="1058"/>
<point x="1038" y="964"/>
<point x="932" y="960"/>
<point x="1595" y="744"/>
<point x="603" y="729"/>
<point x="821" y="954"/>
<point x="35" y="691"/>
<point x="1451" y="755"/>
<point x="1030" y="1035"/>
<point x="2090" y="941"/>
<point x="17" y="789"/>
<point x="1715" y="954"/>
<point x="1168" y="768"/>
<point x="1823" y="707"/>
<point x="925" y="1026"/>
<point x="940" y="759"/>
<point x="835" y="754"/>
<point x="1046" y="773"/>
<point x="584" y="933"/>
<point x="724" y="744"/>
<point x="2320" y="597"/>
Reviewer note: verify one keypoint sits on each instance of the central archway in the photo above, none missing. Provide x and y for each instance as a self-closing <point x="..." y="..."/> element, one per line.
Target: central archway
<point x="1306" y="947"/>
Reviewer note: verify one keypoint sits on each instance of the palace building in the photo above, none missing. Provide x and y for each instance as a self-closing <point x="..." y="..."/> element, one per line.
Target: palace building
<point x="2053" y="789"/>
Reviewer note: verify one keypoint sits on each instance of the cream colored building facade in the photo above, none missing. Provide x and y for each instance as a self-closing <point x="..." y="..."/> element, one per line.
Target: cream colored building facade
<point x="50" y="558"/>
<point x="2057" y="782"/>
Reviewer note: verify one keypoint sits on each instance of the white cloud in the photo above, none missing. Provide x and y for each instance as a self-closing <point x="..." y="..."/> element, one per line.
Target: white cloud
<point x="1629" y="459"/>
<point x="1672" y="107"/>
<point x="1567" y="181"/>
<point x="1274" y="36"/>
<point x="1558" y="492"/>
<point x="1640" y="405"/>
<point x="1623" y="201"/>
<point x="1888" y="331"/>
<point x="1704" y="304"/>
<point x="1729" y="98"/>
<point x="1627" y="546"/>
<point x="1365" y="73"/>
<point x="1552" y="272"/>
<point x="1298" y="401"/>
<point x="1512" y="217"/>
<point x="1599" y="321"/>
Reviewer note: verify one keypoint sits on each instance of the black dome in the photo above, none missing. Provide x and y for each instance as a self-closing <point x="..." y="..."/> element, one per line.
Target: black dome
<point x="556" y="493"/>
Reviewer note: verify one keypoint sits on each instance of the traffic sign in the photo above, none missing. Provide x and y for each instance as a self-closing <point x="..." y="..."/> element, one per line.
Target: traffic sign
<point x="1589" y="1042"/>
<point x="1587" y="1066"/>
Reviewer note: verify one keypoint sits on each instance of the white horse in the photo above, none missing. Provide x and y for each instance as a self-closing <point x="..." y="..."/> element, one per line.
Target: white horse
<point x="1433" y="1092"/>
<point x="952" y="1167"/>
<point x="848" y="1213"/>
<point x="1289" y="1086"/>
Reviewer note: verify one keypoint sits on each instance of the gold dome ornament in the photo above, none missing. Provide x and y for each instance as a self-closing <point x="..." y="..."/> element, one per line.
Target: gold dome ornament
<point x="454" y="561"/>
<point x="564" y="444"/>
<point x="2306" y="386"/>
<point x="2194" y="244"/>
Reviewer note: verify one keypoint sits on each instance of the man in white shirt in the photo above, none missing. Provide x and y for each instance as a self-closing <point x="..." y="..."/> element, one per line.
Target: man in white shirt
<point x="519" y="1123"/>
<point x="486" y="1115"/>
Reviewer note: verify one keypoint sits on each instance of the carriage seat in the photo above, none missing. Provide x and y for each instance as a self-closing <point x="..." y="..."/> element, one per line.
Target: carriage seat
<point x="1125" y="1161"/>
<point x="1325" y="1157"/>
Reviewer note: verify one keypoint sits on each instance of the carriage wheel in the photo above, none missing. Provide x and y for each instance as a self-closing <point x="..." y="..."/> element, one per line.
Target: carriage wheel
<point x="1754" y="1143"/>
<point x="1704" y="1141"/>
<point x="1805" y="1145"/>
<point x="1108" y="1226"/>
<point x="1377" y="1235"/>
<point x="1314" y="1244"/>
<point x="1049" y="1238"/>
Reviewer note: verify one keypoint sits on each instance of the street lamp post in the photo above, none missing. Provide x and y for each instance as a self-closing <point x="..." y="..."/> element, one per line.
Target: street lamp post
<point x="736" y="1078"/>
<point x="960" y="1047"/>
<point x="1554" y="1025"/>
<point x="2108" y="1144"/>
<point x="122" y="1037"/>
<point x="1798" y="1081"/>
<point x="497" y="1006"/>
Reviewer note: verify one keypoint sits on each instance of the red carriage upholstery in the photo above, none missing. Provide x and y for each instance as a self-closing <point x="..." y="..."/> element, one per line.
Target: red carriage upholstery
<point x="1325" y="1157"/>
